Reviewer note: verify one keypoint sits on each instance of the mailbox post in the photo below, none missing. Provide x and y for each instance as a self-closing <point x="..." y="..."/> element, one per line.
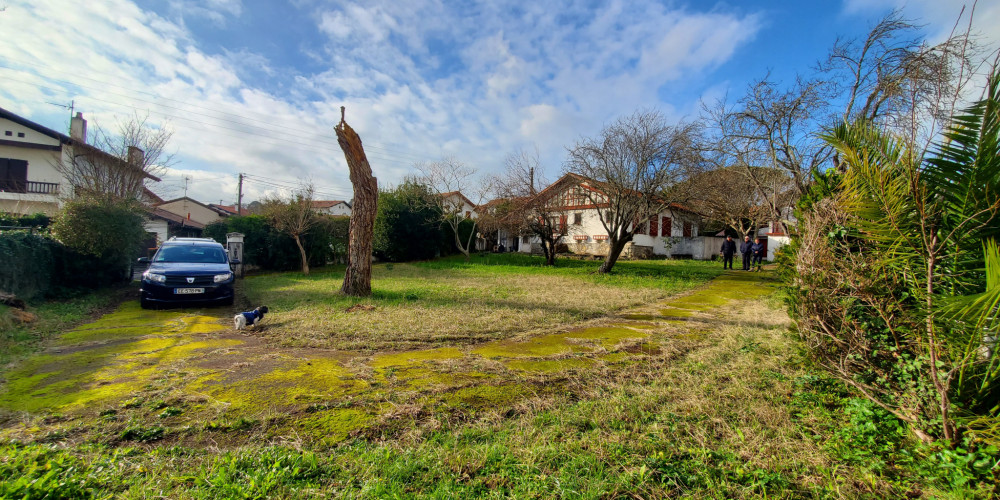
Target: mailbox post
<point x="234" y="245"/>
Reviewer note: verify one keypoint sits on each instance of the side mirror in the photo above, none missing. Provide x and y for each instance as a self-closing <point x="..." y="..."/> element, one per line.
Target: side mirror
<point x="143" y="260"/>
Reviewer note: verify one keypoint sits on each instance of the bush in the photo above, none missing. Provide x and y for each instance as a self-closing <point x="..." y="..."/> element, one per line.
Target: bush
<point x="34" y="266"/>
<point x="407" y="225"/>
<point x="267" y="248"/>
<point x="26" y="264"/>
<point x="112" y="232"/>
<point x="38" y="220"/>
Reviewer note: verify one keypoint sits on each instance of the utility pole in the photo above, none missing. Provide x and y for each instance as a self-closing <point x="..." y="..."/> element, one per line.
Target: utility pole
<point x="239" y="198"/>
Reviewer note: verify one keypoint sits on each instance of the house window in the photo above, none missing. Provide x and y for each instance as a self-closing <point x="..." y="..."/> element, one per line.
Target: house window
<point x="666" y="229"/>
<point x="13" y="175"/>
<point x="577" y="219"/>
<point x="653" y="226"/>
<point x="562" y="224"/>
<point x="525" y="239"/>
<point x="20" y="134"/>
<point x="8" y="133"/>
<point x="687" y="229"/>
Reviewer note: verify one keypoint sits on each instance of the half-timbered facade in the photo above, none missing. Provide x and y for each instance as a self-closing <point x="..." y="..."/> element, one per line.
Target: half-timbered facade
<point x="573" y="204"/>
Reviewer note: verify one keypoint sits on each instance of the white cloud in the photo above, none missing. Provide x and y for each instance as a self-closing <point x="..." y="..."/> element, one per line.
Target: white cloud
<point x="420" y="80"/>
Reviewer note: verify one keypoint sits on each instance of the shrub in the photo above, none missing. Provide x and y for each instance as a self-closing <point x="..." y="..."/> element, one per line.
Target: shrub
<point x="38" y="220"/>
<point x="407" y="225"/>
<point x="110" y="231"/>
<point x="267" y="248"/>
<point x="26" y="264"/>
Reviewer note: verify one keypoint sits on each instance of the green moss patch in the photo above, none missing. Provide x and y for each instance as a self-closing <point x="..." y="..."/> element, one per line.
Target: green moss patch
<point x="87" y="377"/>
<point x="606" y="336"/>
<point x="485" y="396"/>
<point x="299" y="382"/>
<point x="541" y="346"/>
<point x="549" y="365"/>
<point x="672" y="312"/>
<point x="415" y="357"/>
<point x="330" y="427"/>
<point x="131" y="321"/>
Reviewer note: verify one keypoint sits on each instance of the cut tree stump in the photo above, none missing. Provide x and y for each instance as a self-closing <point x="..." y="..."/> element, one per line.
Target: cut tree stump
<point x="358" y="277"/>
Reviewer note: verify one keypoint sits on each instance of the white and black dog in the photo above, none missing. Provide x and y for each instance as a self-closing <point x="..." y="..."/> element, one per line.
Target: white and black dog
<point x="249" y="318"/>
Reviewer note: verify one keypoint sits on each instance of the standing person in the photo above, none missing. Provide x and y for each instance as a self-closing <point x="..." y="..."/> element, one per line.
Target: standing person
<point x="728" y="249"/>
<point x="747" y="252"/>
<point x="758" y="254"/>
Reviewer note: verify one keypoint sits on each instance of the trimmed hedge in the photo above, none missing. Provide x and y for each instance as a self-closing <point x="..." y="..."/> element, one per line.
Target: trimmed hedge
<point x="35" y="266"/>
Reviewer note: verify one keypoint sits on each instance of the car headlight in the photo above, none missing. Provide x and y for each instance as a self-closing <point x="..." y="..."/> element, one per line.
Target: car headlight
<point x="219" y="278"/>
<point x="159" y="278"/>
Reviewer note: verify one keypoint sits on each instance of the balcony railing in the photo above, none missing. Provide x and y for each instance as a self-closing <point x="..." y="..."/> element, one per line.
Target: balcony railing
<point x="32" y="187"/>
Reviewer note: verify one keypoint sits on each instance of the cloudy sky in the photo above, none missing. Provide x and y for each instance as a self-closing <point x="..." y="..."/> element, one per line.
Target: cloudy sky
<point x="256" y="86"/>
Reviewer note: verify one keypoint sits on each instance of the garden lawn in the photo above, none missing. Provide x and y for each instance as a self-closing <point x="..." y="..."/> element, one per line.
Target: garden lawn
<point x="703" y="394"/>
<point x="453" y="302"/>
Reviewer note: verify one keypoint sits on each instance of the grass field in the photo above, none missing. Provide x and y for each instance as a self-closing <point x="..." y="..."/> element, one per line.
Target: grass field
<point x="453" y="302"/>
<point x="668" y="385"/>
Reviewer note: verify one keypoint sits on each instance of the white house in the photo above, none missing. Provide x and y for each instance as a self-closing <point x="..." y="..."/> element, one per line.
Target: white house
<point x="672" y="232"/>
<point x="456" y="202"/>
<point x="332" y="207"/>
<point x="30" y="159"/>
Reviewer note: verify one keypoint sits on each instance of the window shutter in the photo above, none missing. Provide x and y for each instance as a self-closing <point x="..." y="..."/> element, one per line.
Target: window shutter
<point x="687" y="229"/>
<point x="666" y="229"/>
<point x="17" y="170"/>
<point x="653" y="227"/>
<point x="562" y="224"/>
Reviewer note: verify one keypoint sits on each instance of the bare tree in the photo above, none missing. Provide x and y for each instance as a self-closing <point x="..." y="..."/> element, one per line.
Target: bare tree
<point x="632" y="166"/>
<point x="522" y="208"/>
<point x="451" y="182"/>
<point x="116" y="165"/>
<point x="358" y="275"/>
<point x="293" y="217"/>
<point x="773" y="128"/>
<point x="893" y="78"/>
<point x="729" y="196"/>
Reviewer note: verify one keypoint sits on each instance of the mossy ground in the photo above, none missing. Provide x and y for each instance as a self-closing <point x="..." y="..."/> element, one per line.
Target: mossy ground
<point x="208" y="372"/>
<point x="634" y="402"/>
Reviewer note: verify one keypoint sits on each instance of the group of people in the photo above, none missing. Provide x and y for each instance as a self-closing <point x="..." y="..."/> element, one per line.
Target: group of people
<point x="753" y="253"/>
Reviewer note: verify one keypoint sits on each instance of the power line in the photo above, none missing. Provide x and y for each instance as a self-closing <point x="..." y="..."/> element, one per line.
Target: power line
<point x="269" y="140"/>
<point x="159" y="97"/>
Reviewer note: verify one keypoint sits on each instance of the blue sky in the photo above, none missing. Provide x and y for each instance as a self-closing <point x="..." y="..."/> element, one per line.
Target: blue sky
<point x="255" y="86"/>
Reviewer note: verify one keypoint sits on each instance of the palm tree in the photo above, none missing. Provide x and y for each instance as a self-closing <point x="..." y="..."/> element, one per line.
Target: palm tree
<point x="925" y="227"/>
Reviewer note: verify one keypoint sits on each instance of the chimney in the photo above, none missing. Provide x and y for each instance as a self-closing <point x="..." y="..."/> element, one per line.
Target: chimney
<point x="136" y="156"/>
<point x="78" y="128"/>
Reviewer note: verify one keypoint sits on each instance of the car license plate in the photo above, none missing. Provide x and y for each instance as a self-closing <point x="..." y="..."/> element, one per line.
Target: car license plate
<point x="181" y="291"/>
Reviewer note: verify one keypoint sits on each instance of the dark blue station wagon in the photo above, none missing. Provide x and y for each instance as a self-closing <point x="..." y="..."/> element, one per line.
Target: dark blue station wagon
<point x="187" y="270"/>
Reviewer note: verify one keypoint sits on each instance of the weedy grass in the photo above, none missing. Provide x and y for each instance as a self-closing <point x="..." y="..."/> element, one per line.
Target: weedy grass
<point x="720" y="405"/>
<point x="18" y="340"/>
<point x="454" y="302"/>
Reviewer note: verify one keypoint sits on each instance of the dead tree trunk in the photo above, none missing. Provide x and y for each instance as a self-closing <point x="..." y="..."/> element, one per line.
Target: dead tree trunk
<point x="358" y="277"/>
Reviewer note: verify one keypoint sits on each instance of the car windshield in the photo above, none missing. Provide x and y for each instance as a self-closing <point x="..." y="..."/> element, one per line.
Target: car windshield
<point x="190" y="253"/>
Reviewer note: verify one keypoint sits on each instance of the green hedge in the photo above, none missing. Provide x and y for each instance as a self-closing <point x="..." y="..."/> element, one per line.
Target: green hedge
<point x="267" y="248"/>
<point x="35" y="266"/>
<point x="38" y="220"/>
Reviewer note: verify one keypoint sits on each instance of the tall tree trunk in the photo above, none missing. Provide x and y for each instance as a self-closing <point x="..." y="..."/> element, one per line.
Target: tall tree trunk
<point x="614" y="251"/>
<point x="302" y="253"/>
<point x="358" y="277"/>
